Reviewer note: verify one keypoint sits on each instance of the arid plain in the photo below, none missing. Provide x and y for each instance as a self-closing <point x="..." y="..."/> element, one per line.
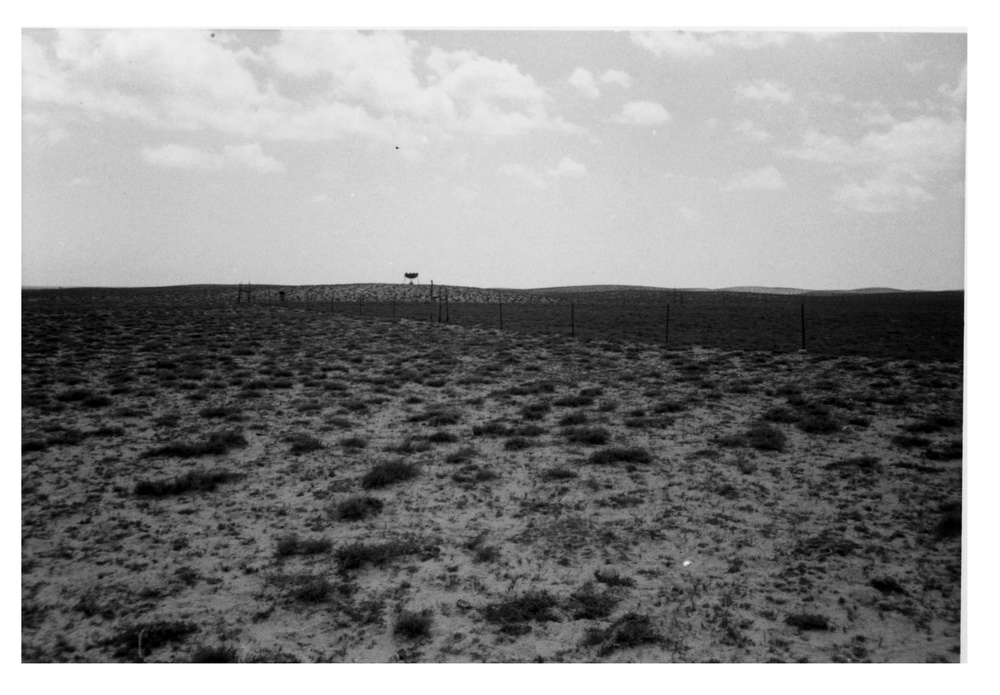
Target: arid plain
<point x="206" y="480"/>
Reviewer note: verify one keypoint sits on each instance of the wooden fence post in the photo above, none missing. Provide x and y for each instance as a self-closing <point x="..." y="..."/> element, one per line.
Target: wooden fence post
<point x="572" y="318"/>
<point x="501" y="313"/>
<point x="666" y="331"/>
<point x="803" y="325"/>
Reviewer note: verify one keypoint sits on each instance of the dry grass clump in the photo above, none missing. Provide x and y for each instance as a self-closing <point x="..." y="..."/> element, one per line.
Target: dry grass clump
<point x="631" y="630"/>
<point x="137" y="641"/>
<point x="303" y="443"/>
<point x="358" y="508"/>
<point x="590" y="603"/>
<point x="215" y="654"/>
<point x="194" y="481"/>
<point x="618" y="454"/>
<point x="539" y="606"/>
<point x="359" y="554"/>
<point x="291" y="544"/>
<point x="760" y="436"/>
<point x="389" y="472"/>
<point x="591" y="436"/>
<point x="215" y="443"/>
<point x="559" y="473"/>
<point x="613" y="578"/>
<point x="414" y="625"/>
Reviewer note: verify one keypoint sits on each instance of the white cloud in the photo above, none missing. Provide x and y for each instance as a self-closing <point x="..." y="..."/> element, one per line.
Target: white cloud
<point x="643" y="113"/>
<point x="752" y="131"/>
<point x="308" y="86"/>
<point x="885" y="192"/>
<point x="79" y="181"/>
<point x="618" y="77"/>
<point x="689" y="214"/>
<point x="248" y="156"/>
<point x="958" y="92"/>
<point x="886" y="170"/>
<point x="320" y="199"/>
<point x="566" y="168"/>
<point x="252" y="157"/>
<point x="693" y="45"/>
<point x="764" y="179"/>
<point x="584" y="82"/>
<point x="765" y="90"/>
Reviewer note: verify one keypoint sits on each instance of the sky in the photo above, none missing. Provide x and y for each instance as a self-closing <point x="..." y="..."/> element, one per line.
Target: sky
<point x="494" y="158"/>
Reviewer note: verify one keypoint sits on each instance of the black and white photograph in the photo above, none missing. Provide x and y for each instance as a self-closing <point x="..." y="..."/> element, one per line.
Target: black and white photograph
<point x="500" y="345"/>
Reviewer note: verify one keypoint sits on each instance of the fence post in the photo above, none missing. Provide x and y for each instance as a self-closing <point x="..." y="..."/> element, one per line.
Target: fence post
<point x="393" y="305"/>
<point x="501" y="313"/>
<point x="440" y="306"/>
<point x="666" y="331"/>
<point x="572" y="318"/>
<point x="803" y="306"/>
<point x="447" y="313"/>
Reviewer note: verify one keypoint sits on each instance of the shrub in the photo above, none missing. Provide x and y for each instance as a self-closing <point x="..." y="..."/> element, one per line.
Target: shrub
<point x="411" y="625"/>
<point x="910" y="441"/>
<point x="216" y="443"/>
<point x="808" y="621"/>
<point x="463" y="455"/>
<point x="631" y="630"/>
<point x="359" y="554"/>
<point x="950" y="451"/>
<point x="139" y="640"/>
<point x="354" y="443"/>
<point x="594" y="436"/>
<point x="535" y="411"/>
<point x="559" y="473"/>
<point x="587" y="603"/>
<point x="195" y="481"/>
<point x="442" y="437"/>
<point x="766" y="438"/>
<point x="624" y="454"/>
<point x="533" y="605"/>
<point x="491" y="429"/>
<point x="358" y="508"/>
<point x="573" y="401"/>
<point x="218" y="411"/>
<point x="387" y="473"/>
<point x="214" y="655"/>
<point x="471" y="473"/>
<point x="311" y="589"/>
<point x="575" y="418"/>
<point x="517" y="444"/>
<point x="291" y="544"/>
<point x="303" y="443"/>
<point x="612" y="578"/>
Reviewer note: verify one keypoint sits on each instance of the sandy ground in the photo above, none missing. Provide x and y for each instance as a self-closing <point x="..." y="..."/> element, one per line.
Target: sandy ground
<point x="569" y="501"/>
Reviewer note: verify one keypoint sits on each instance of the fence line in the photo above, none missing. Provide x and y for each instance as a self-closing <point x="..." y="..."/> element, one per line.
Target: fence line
<point x="851" y="326"/>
